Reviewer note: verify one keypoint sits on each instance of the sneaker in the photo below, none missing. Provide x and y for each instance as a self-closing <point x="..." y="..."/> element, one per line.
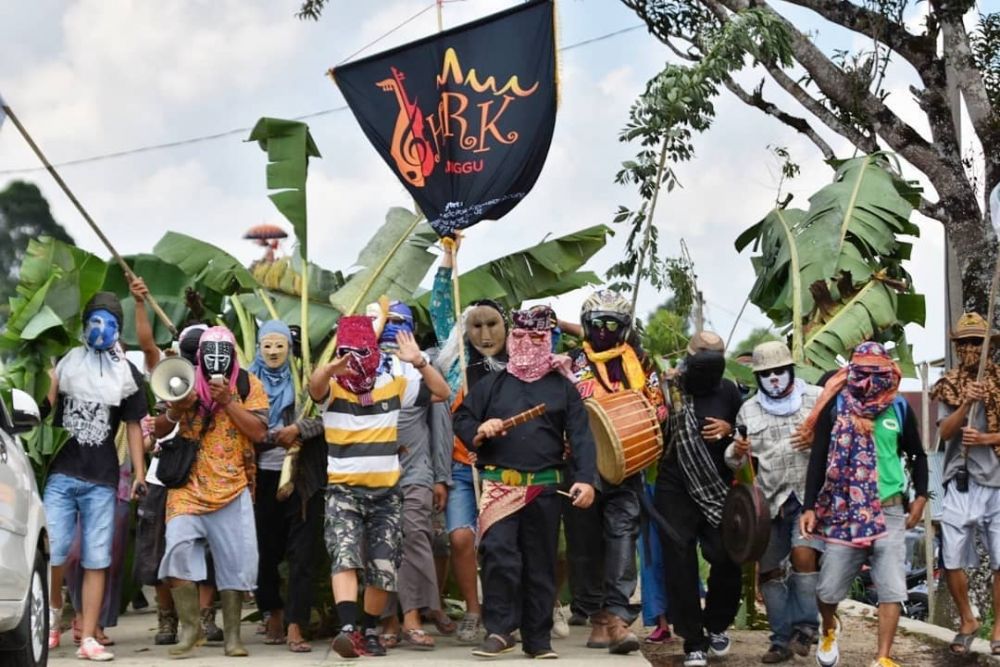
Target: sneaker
<point x="719" y="643"/>
<point x="348" y="643"/>
<point x="494" y="645"/>
<point x="777" y="654"/>
<point x="55" y="631"/>
<point x="659" y="636"/>
<point x="827" y="652"/>
<point x="544" y="654"/>
<point x="468" y="629"/>
<point x="373" y="645"/>
<point x="560" y="624"/>
<point x="91" y="649"/>
<point x="695" y="659"/>
<point x="884" y="662"/>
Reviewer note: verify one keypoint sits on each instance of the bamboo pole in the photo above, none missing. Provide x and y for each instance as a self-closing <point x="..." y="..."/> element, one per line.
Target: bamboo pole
<point x="86" y="216"/>
<point x="925" y="430"/>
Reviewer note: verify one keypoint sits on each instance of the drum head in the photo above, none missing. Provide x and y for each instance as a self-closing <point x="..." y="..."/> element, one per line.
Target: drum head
<point x="746" y="523"/>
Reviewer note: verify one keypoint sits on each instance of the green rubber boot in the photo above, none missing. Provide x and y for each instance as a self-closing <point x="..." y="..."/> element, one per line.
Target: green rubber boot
<point x="232" y="610"/>
<point x="186" y="604"/>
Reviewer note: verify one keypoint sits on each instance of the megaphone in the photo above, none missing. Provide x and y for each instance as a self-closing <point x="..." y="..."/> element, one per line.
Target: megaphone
<point x="172" y="379"/>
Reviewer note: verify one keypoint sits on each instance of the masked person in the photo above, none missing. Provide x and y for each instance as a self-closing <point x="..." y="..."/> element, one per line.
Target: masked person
<point x="425" y="459"/>
<point x="225" y="415"/>
<point x="602" y="540"/>
<point x="971" y="472"/>
<point x="286" y="529"/>
<point x="771" y="418"/>
<point x="856" y="491"/>
<point x="485" y="336"/>
<point x="691" y="486"/>
<point x="363" y="502"/>
<point x="521" y="470"/>
<point x="94" y="389"/>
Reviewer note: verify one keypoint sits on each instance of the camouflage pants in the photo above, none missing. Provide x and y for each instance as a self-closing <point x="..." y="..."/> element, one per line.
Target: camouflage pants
<point x="362" y="532"/>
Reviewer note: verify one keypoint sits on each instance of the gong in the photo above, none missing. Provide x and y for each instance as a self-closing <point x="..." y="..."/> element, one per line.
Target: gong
<point x="746" y="523"/>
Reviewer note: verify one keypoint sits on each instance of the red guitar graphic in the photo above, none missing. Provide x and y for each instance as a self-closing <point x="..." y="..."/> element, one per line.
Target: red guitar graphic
<point x="413" y="153"/>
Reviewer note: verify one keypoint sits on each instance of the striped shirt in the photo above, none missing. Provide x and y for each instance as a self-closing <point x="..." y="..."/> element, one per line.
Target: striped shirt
<point x="362" y="447"/>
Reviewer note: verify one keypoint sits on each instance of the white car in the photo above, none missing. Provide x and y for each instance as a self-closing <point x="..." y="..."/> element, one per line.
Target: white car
<point x="24" y="544"/>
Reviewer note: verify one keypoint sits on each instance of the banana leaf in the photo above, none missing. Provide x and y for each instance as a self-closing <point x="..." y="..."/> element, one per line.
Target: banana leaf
<point x="393" y="262"/>
<point x="544" y="270"/>
<point x="168" y="284"/>
<point x="210" y="266"/>
<point x="289" y="145"/>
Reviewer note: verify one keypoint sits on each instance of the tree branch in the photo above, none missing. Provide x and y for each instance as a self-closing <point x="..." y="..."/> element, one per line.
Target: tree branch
<point x="756" y="99"/>
<point x="917" y="49"/>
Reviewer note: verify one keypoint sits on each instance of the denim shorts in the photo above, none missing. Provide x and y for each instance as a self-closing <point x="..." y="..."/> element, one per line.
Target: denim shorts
<point x="887" y="556"/>
<point x="67" y="498"/>
<point x="461" y="510"/>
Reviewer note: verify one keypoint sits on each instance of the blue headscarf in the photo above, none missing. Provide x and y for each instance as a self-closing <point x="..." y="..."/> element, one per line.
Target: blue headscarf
<point x="277" y="381"/>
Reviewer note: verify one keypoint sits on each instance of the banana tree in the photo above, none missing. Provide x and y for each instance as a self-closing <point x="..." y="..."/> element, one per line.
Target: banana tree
<point x="833" y="274"/>
<point x="55" y="282"/>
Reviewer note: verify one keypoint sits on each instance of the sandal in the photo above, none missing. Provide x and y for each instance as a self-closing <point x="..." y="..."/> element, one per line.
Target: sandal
<point x="962" y="643"/>
<point x="275" y="641"/>
<point x="995" y="646"/>
<point x="417" y="638"/>
<point x="103" y="639"/>
<point x="390" y="640"/>
<point x="443" y="623"/>
<point x="301" y="646"/>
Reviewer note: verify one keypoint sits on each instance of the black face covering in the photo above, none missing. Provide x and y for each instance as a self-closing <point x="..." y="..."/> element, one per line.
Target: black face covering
<point x="703" y="372"/>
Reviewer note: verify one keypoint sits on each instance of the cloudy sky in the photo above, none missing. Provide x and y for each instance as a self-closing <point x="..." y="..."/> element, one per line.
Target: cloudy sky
<point x="90" y="77"/>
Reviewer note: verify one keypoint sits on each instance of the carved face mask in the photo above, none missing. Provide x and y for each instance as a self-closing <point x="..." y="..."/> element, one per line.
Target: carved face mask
<point x="775" y="382"/>
<point x="274" y="350"/>
<point x="216" y="357"/>
<point x="100" y="330"/>
<point x="486" y="330"/>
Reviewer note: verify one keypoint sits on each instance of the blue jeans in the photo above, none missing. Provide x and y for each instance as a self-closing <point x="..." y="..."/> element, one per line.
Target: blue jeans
<point x="652" y="572"/>
<point x="789" y="596"/>
<point x="67" y="498"/>
<point x="461" y="510"/>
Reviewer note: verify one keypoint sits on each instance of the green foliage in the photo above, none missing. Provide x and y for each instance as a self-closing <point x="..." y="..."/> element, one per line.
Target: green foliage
<point x="666" y="334"/>
<point x="24" y="215"/>
<point x="676" y="104"/>
<point x="833" y="274"/>
<point x="753" y="339"/>
<point x="289" y="145"/>
<point x="56" y="281"/>
<point x="986" y="48"/>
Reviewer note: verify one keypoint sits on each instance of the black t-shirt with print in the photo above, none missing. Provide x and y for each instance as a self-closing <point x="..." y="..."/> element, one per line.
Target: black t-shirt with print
<point x="97" y="462"/>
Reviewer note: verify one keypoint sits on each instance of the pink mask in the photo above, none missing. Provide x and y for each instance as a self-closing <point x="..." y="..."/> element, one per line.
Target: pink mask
<point x="529" y="354"/>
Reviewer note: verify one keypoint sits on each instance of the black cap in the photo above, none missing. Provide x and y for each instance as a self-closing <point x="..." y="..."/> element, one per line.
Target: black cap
<point x="107" y="301"/>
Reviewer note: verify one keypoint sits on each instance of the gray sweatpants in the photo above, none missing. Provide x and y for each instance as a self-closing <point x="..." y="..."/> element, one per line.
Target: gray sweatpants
<point x="417" y="579"/>
<point x="232" y="537"/>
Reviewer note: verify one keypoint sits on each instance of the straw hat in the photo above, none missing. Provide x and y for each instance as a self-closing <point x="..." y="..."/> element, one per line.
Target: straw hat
<point x="972" y="325"/>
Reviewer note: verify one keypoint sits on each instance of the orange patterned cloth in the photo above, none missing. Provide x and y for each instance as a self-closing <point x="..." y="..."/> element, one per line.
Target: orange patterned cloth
<point x="224" y="465"/>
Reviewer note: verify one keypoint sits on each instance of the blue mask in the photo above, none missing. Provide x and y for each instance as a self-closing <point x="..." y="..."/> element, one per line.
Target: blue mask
<point x="100" y="331"/>
<point x="391" y="330"/>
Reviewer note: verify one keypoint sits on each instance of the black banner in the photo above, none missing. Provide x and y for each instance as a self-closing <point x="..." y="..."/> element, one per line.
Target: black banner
<point x="464" y="117"/>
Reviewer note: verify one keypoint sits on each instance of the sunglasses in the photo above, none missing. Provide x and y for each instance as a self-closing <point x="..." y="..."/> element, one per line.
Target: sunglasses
<point x="605" y="323"/>
<point x="775" y="372"/>
<point x="969" y="342"/>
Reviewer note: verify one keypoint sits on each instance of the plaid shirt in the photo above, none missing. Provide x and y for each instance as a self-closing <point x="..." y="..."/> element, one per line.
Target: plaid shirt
<point x="781" y="471"/>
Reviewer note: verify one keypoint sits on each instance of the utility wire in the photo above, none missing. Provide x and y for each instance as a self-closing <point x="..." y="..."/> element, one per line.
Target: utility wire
<point x="245" y="130"/>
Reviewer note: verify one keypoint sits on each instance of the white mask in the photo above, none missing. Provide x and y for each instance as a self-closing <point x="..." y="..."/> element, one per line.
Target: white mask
<point x="774" y="384"/>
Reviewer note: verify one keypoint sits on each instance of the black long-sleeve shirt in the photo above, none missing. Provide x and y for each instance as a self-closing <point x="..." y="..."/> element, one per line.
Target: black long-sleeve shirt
<point x="910" y="447"/>
<point x="537" y="444"/>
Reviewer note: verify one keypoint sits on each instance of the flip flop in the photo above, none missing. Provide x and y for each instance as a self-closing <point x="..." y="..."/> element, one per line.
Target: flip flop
<point x="275" y="641"/>
<point x="995" y="646"/>
<point x="418" y="639"/>
<point x="300" y="646"/>
<point x="962" y="643"/>
<point x="444" y="625"/>
<point x="390" y="640"/>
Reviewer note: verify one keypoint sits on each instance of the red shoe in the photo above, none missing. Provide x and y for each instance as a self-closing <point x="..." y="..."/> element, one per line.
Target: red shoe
<point x="659" y="636"/>
<point x="349" y="644"/>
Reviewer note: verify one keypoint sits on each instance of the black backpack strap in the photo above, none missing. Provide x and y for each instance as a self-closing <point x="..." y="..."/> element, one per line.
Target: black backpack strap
<point x="243" y="384"/>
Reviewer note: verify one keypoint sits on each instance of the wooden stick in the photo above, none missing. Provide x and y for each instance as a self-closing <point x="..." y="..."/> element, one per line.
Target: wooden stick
<point x="984" y="354"/>
<point x="518" y="419"/>
<point x="649" y="225"/>
<point x="459" y="331"/>
<point x="86" y="216"/>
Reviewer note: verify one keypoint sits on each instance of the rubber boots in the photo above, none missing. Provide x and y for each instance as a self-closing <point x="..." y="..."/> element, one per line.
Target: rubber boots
<point x="186" y="604"/>
<point x="232" y="610"/>
<point x="599" y="637"/>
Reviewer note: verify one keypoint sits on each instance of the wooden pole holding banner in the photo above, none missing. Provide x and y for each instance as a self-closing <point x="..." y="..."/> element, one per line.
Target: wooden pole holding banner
<point x="86" y="216"/>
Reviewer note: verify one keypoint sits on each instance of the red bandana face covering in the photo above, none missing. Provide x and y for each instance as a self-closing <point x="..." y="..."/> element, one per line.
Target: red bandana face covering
<point x="529" y="354"/>
<point x="356" y="340"/>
